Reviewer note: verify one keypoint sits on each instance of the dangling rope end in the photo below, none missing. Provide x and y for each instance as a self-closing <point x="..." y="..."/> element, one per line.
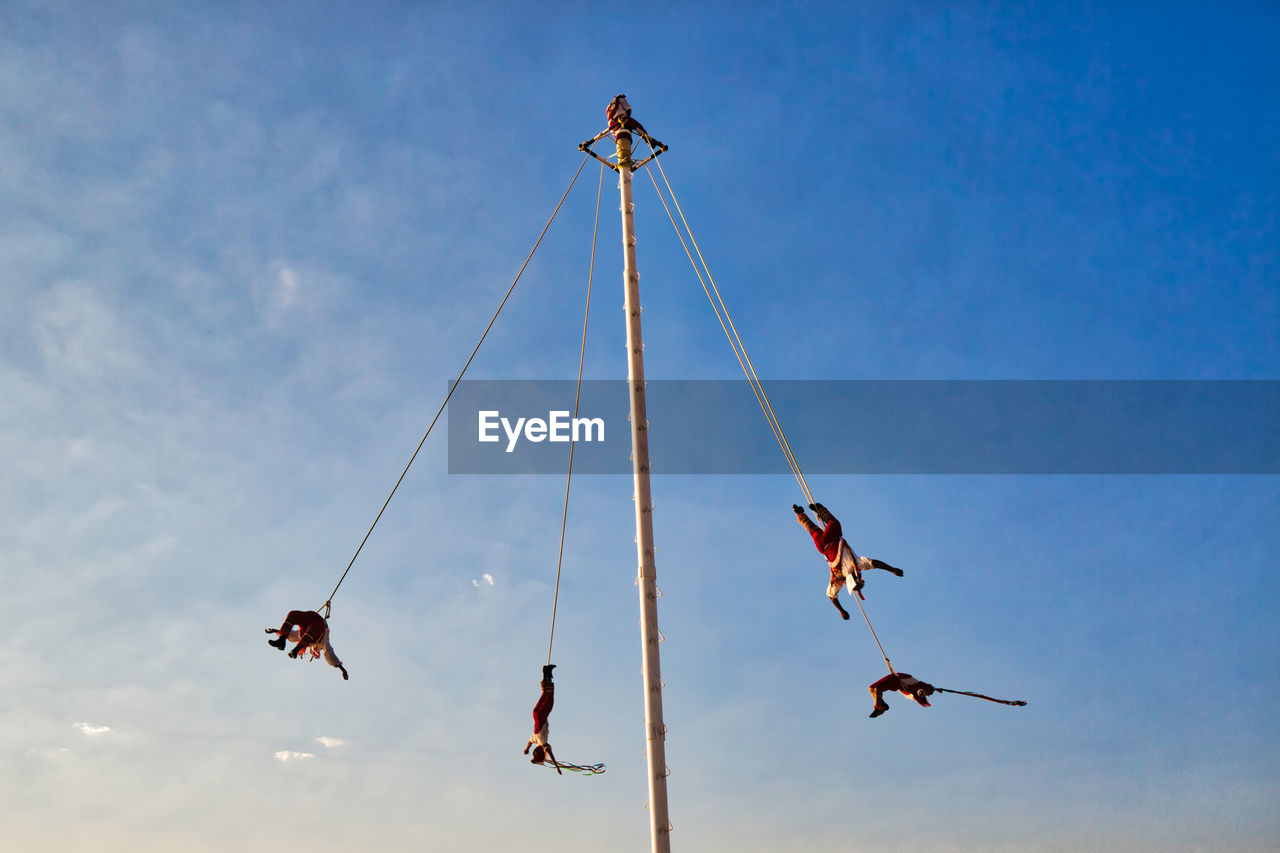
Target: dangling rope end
<point x="1016" y="702"/>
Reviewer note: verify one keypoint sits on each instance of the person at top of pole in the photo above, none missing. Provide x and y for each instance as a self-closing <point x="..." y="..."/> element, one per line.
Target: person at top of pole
<point x="310" y="631"/>
<point x="846" y="564"/>
<point x="541" y="724"/>
<point x="619" y="115"/>
<point x="905" y="684"/>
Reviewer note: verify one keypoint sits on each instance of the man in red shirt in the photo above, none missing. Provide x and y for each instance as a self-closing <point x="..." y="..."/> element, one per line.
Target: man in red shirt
<point x="843" y="561"/>
<point x="311" y="633"/>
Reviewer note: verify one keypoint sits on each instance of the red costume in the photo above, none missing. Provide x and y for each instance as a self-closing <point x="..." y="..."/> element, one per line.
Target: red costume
<point x="843" y="561"/>
<point x="311" y="626"/>
<point x="830" y="542"/>
<point x="542" y="711"/>
<point x="541" y="721"/>
<point x="827" y="540"/>
<point x="310" y="631"/>
<point x="619" y="115"/>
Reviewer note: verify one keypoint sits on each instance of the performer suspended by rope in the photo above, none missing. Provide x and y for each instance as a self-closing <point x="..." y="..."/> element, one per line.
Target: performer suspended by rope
<point x="909" y="685"/>
<point x="542" y="710"/>
<point x="542" y="753"/>
<point x="541" y="725"/>
<point x="846" y="564"/>
<point x="311" y="633"/>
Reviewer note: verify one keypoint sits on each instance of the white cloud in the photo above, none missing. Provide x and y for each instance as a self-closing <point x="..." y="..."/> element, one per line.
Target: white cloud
<point x="486" y="580"/>
<point x="290" y="755"/>
<point x="287" y="292"/>
<point x="92" y="730"/>
<point x="105" y="509"/>
<point x="80" y="448"/>
<point x="330" y="742"/>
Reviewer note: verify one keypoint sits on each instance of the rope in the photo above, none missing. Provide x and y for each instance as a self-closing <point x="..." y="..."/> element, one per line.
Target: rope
<point x="730" y="330"/>
<point x="744" y="360"/>
<point x="770" y="413"/>
<point x="858" y="600"/>
<point x="1017" y="702"/>
<point x="589" y="769"/>
<point x="329" y="601"/>
<point x="577" y="395"/>
<point x="737" y="354"/>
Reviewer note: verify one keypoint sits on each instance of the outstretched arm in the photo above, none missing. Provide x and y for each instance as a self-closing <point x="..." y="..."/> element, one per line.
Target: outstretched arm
<point x="552" y="756"/>
<point x="844" y="614"/>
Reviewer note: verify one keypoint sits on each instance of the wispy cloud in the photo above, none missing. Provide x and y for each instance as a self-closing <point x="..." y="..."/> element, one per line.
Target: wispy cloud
<point x="92" y="730"/>
<point x="50" y="752"/>
<point x="80" y="448"/>
<point x="79" y="333"/>
<point x="289" y="755"/>
<point x="330" y="742"/>
<point x="486" y="579"/>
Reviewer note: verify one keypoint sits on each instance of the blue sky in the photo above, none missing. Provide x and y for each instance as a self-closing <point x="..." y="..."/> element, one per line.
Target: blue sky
<point x="244" y="248"/>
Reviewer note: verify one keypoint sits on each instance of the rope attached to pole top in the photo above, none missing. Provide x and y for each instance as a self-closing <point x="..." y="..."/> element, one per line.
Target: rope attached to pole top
<point x="744" y="360"/>
<point x="577" y="396"/>
<point x="730" y="330"/>
<point x="328" y="603"/>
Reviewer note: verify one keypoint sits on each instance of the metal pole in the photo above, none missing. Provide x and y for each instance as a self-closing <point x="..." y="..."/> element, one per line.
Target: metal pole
<point x="655" y="729"/>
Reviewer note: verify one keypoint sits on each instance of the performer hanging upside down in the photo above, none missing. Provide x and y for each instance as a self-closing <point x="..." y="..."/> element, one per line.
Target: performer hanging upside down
<point x="920" y="691"/>
<point x="844" y="562"/>
<point x="541" y="726"/>
<point x="904" y="684"/>
<point x="311" y="633"/>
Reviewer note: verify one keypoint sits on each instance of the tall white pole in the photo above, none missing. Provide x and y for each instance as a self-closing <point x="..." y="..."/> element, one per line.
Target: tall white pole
<point x="655" y="729"/>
